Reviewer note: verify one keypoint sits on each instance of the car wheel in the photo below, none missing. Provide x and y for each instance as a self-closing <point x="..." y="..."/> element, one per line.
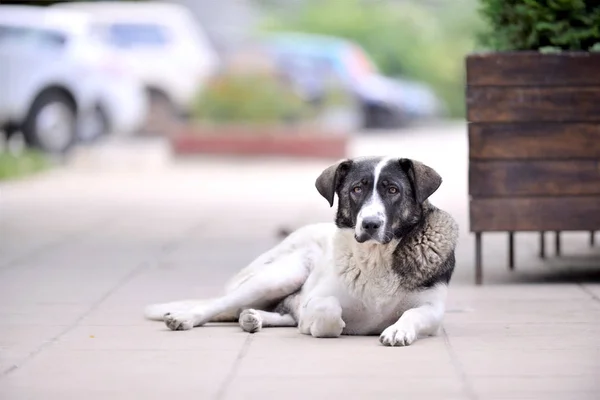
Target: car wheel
<point x="377" y="117"/>
<point x="9" y="131"/>
<point x="161" y="116"/>
<point x="98" y="125"/>
<point x="371" y="117"/>
<point x="51" y="124"/>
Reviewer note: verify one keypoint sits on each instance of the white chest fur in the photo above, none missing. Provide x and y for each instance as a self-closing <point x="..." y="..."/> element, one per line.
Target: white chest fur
<point x="360" y="276"/>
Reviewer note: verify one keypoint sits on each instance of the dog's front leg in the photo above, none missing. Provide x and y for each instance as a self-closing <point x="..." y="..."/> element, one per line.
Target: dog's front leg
<point x="419" y="321"/>
<point x="321" y="317"/>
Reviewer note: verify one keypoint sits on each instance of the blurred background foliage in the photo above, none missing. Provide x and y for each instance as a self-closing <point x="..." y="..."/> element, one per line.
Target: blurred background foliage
<point x="260" y="98"/>
<point x="423" y="40"/>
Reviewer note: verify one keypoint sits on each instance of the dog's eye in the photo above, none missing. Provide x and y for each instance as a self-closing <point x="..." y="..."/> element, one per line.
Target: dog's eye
<point x="357" y="189"/>
<point x="392" y="190"/>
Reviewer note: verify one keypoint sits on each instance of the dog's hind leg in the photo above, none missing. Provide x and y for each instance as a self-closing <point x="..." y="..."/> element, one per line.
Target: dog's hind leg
<point x="284" y="314"/>
<point x="273" y="282"/>
<point x="252" y="320"/>
<point x="157" y="312"/>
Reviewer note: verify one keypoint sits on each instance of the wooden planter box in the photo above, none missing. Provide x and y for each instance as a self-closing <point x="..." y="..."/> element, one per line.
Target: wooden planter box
<point x="259" y="141"/>
<point x="534" y="144"/>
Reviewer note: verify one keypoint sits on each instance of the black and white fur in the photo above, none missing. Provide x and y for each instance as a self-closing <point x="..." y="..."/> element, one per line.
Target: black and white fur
<point x="382" y="269"/>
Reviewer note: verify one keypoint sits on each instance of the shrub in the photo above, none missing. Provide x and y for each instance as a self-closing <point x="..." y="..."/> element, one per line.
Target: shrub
<point x="19" y="165"/>
<point x="248" y="98"/>
<point x="541" y="24"/>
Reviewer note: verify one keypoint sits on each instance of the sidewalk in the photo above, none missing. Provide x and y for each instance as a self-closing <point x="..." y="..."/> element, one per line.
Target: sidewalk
<point x="84" y="249"/>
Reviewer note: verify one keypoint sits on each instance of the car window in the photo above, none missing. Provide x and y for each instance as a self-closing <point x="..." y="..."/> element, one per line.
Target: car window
<point x="134" y="34"/>
<point x="304" y="66"/>
<point x="32" y="36"/>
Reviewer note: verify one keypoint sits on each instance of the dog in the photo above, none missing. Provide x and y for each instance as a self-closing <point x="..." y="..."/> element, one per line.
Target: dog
<point x="383" y="268"/>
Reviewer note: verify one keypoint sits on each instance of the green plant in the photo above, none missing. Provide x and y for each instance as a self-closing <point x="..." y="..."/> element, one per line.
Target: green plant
<point x="248" y="98"/>
<point x="545" y="25"/>
<point x="19" y="165"/>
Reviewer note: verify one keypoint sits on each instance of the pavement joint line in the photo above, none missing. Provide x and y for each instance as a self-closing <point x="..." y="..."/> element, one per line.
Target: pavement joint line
<point x="588" y="292"/>
<point x="78" y="234"/>
<point x="75" y="323"/>
<point x="233" y="372"/>
<point x="167" y="248"/>
<point x="584" y="288"/>
<point x="458" y="367"/>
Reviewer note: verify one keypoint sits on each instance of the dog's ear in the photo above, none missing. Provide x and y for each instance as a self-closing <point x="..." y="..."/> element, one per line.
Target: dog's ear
<point x="327" y="183"/>
<point x="425" y="181"/>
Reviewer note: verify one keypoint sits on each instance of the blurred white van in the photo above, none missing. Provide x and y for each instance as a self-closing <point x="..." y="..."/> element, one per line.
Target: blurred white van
<point x="57" y="85"/>
<point x="162" y="43"/>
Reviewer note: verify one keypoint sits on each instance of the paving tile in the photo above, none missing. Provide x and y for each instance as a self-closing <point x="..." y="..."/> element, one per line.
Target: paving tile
<point x="154" y="336"/>
<point x="536" y="387"/>
<point x="291" y="354"/>
<point x="100" y="374"/>
<point x="40" y="230"/>
<point x="515" y="330"/>
<point x="542" y="395"/>
<point x="529" y="361"/>
<point x="466" y="293"/>
<point x="18" y="342"/>
<point x="518" y="337"/>
<point x="126" y="315"/>
<point x="40" y="314"/>
<point x="11" y="335"/>
<point x="69" y="278"/>
<point x="367" y="386"/>
<point x="10" y="359"/>
<point x="593" y="289"/>
<point x="515" y="310"/>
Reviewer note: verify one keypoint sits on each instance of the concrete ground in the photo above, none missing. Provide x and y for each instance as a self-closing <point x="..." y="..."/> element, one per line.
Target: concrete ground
<point x="85" y="247"/>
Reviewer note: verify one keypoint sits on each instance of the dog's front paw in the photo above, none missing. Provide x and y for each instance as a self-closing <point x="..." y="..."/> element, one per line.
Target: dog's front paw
<point x="250" y="321"/>
<point x="397" y="336"/>
<point x="179" y="321"/>
<point x="322" y="318"/>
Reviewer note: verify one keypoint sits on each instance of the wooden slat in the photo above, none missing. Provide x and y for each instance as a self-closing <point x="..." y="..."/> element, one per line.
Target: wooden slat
<point x="514" y="104"/>
<point x="533" y="68"/>
<point x="534" y="141"/>
<point x="535" y="214"/>
<point x="534" y="178"/>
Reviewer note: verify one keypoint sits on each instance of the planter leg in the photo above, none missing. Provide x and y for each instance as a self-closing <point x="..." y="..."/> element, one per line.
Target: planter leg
<point x="478" y="260"/>
<point x="542" y="244"/>
<point x="557" y="243"/>
<point x="511" y="250"/>
<point x="592" y="239"/>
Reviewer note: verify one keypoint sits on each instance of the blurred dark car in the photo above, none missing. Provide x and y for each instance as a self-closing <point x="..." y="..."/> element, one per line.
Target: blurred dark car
<point x="311" y="62"/>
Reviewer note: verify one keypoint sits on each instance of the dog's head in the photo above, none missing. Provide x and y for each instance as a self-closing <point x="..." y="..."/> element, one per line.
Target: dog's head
<point x="379" y="198"/>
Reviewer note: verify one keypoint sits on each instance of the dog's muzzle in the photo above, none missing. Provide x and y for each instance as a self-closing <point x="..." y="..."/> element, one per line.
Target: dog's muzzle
<point x="370" y="228"/>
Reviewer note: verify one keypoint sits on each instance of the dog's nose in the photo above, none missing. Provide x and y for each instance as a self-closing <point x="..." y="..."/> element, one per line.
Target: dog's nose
<point x="371" y="224"/>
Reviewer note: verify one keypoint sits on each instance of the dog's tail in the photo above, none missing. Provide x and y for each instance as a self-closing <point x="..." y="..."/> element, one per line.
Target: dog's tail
<point x="156" y="312"/>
